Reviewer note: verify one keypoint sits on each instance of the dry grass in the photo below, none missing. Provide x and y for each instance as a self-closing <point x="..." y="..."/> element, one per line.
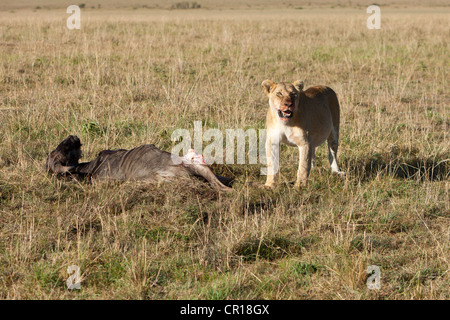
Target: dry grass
<point x="132" y="77"/>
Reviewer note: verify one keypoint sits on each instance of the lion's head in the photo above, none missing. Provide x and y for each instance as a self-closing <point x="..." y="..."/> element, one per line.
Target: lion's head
<point x="283" y="97"/>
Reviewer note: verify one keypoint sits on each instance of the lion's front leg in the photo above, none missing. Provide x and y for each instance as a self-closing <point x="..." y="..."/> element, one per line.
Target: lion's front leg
<point x="272" y="155"/>
<point x="304" y="164"/>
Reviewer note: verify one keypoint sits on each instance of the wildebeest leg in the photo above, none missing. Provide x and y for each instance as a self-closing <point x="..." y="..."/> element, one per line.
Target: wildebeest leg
<point x="205" y="172"/>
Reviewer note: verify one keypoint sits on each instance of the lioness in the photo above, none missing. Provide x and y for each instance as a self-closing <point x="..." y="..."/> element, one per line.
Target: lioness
<point x="300" y="118"/>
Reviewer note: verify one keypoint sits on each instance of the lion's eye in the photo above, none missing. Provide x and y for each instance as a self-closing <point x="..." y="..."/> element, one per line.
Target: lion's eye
<point x="279" y="94"/>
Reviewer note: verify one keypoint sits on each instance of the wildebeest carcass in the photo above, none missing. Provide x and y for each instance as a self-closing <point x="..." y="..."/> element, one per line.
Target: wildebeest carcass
<point x="143" y="163"/>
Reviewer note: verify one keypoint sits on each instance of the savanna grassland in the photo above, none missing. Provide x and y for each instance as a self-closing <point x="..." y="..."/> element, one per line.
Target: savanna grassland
<point x="133" y="75"/>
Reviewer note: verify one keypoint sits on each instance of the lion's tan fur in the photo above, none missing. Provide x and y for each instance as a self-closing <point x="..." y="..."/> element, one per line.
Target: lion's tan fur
<point x="304" y="119"/>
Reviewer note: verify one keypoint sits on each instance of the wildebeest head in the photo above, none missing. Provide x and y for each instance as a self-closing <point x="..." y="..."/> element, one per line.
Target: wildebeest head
<point x="65" y="157"/>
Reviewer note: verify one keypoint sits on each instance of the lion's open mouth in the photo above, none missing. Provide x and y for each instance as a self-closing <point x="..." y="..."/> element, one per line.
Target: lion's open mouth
<point x="285" y="114"/>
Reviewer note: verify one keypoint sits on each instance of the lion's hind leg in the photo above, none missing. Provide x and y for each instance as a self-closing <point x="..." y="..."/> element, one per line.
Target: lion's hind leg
<point x="333" y="144"/>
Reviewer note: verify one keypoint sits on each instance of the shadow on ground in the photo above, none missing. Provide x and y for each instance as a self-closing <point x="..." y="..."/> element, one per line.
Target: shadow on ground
<point x="410" y="168"/>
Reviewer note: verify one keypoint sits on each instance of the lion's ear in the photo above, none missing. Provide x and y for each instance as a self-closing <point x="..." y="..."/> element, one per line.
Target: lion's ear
<point x="298" y="85"/>
<point x="268" y="85"/>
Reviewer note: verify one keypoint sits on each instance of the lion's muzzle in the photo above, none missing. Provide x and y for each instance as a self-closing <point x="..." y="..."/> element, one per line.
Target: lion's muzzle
<point x="286" y="112"/>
